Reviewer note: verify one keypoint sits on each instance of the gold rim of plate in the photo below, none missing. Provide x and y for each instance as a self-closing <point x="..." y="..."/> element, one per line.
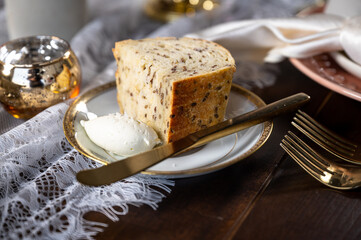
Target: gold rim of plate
<point x="70" y="115"/>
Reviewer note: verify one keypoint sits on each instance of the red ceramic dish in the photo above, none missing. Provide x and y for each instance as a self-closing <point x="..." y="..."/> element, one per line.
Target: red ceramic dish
<point x="324" y="70"/>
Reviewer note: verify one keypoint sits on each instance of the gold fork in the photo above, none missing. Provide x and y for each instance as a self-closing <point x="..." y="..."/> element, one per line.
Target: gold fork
<point x="337" y="145"/>
<point x="333" y="174"/>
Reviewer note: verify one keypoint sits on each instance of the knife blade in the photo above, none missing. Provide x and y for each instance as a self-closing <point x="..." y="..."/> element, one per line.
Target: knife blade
<point x="116" y="171"/>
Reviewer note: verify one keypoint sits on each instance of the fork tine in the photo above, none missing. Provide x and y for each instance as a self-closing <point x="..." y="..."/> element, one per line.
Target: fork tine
<point x="300" y="159"/>
<point x="315" y="159"/>
<point x="322" y="136"/>
<point x="323" y="140"/>
<point x="302" y="156"/>
<point x="337" y="139"/>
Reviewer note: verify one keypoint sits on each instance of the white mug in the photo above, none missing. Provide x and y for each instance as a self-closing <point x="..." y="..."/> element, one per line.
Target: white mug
<point x="61" y="18"/>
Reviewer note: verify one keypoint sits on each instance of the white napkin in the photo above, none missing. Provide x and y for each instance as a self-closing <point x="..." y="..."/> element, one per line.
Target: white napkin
<point x="299" y="37"/>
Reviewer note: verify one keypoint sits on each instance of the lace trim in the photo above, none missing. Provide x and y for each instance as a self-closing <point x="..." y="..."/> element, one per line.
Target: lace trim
<point x="39" y="195"/>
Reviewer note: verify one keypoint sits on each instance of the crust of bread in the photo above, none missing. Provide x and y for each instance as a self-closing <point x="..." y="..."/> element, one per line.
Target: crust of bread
<point x="206" y="106"/>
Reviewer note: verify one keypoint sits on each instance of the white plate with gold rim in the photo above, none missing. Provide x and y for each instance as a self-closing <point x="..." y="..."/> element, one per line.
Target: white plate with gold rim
<point x="208" y="158"/>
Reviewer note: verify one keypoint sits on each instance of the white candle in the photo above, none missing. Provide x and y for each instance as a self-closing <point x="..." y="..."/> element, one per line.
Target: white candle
<point x="61" y="18"/>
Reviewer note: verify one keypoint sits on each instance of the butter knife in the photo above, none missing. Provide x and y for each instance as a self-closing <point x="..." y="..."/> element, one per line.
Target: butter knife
<point x="124" y="168"/>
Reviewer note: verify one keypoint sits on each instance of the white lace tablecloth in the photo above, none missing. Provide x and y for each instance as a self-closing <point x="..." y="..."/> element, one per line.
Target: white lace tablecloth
<point x="39" y="195"/>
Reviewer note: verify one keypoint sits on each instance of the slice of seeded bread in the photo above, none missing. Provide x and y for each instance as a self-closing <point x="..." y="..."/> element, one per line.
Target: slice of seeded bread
<point x="175" y="85"/>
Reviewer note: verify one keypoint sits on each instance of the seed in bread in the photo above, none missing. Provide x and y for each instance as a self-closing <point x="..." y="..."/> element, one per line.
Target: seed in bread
<point x="175" y="85"/>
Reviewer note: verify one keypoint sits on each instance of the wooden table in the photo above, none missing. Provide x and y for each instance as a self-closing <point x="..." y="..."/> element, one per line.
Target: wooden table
<point x="265" y="196"/>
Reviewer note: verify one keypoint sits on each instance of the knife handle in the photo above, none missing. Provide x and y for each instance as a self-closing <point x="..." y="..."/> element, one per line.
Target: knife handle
<point x="249" y="119"/>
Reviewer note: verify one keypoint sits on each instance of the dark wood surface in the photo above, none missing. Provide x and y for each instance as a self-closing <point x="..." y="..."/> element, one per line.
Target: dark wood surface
<point x="265" y="196"/>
